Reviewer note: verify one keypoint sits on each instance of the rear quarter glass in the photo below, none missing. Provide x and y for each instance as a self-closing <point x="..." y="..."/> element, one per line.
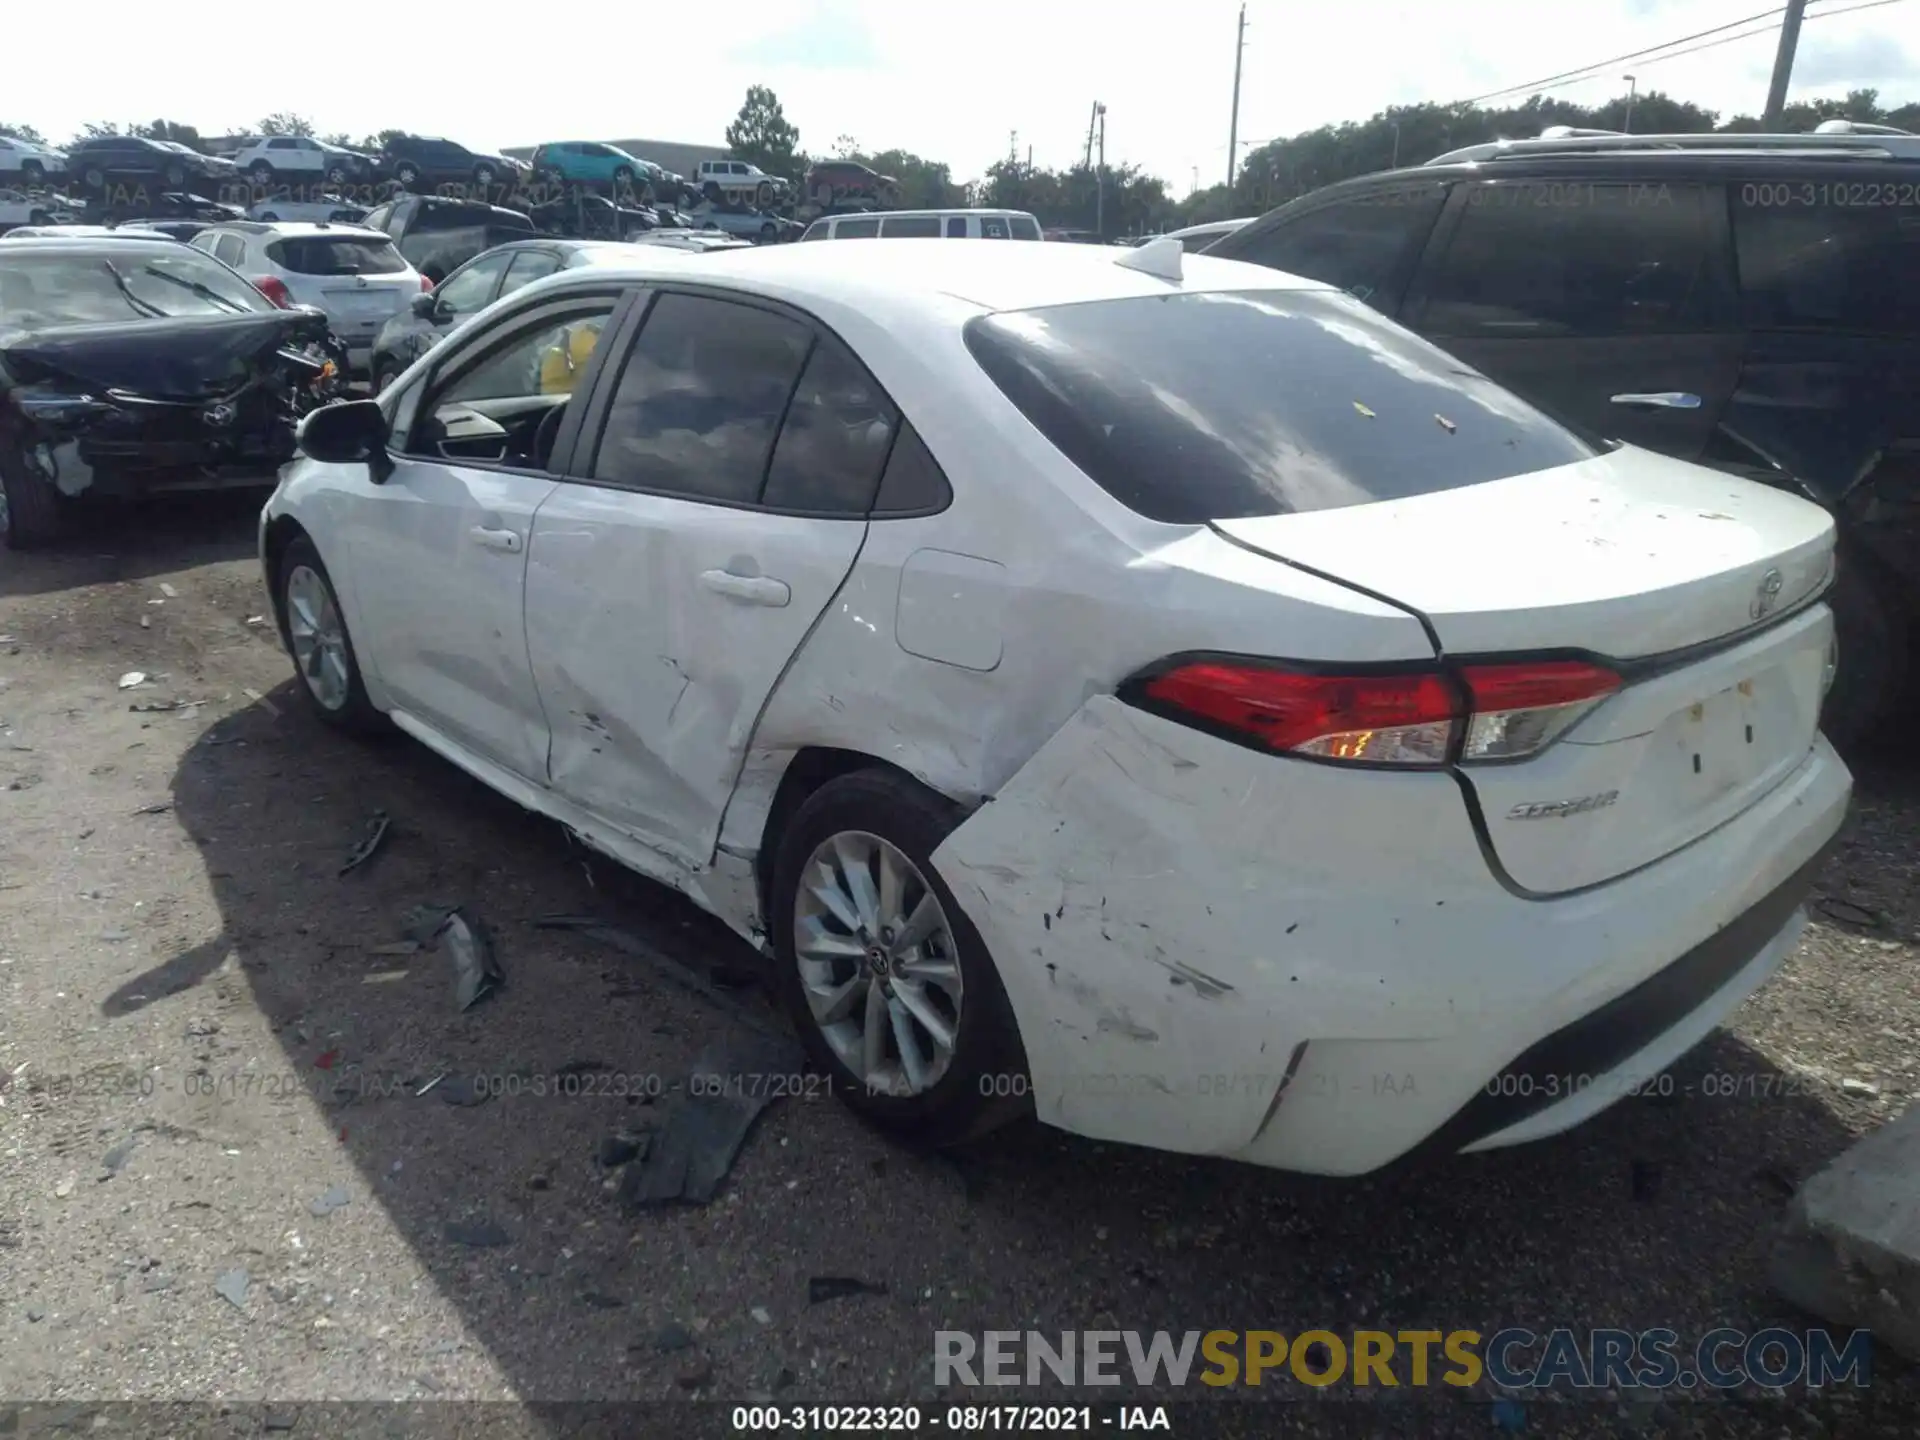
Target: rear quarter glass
<point x="1218" y="405"/>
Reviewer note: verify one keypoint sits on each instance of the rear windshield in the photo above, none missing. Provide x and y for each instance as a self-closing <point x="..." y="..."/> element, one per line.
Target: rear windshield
<point x="336" y="255"/>
<point x="132" y="282"/>
<point x="1226" y="404"/>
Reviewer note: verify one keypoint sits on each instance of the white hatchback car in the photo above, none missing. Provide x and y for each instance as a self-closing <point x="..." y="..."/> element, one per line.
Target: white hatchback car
<point x="352" y="273"/>
<point x="1163" y="693"/>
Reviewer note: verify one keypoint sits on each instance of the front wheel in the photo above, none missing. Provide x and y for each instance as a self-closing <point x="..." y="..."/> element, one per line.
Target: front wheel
<point x="407" y="175"/>
<point x="316" y="635"/>
<point x="260" y="172"/>
<point x="889" y="985"/>
<point x="33" y="174"/>
<point x="175" y="177"/>
<point x="33" y="514"/>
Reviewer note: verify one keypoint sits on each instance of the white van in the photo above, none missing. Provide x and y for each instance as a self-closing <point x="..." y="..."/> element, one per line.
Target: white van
<point x="927" y="225"/>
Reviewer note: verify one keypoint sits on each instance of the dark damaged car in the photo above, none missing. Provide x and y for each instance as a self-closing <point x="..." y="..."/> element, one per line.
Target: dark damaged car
<point x="132" y="367"/>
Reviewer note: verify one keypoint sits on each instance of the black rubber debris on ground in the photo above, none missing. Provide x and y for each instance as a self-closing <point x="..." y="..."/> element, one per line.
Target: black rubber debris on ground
<point x="477" y="1234"/>
<point x="628" y="943"/>
<point x="733" y="1081"/>
<point x="469" y="945"/>
<point x="822" y="1288"/>
<point x="378" y="827"/>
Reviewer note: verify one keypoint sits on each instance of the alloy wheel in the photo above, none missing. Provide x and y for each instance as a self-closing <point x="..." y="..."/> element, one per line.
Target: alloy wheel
<point x="878" y="963"/>
<point x="319" y="638"/>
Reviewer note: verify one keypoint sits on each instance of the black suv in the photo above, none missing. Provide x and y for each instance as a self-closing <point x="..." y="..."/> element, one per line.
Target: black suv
<point x="1748" y="302"/>
<point x="416" y="160"/>
<point x="134" y="160"/>
<point x="437" y="236"/>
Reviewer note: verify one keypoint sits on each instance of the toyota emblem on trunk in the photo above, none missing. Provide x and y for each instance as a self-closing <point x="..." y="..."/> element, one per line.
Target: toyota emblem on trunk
<point x="219" y="415"/>
<point x="1766" y="596"/>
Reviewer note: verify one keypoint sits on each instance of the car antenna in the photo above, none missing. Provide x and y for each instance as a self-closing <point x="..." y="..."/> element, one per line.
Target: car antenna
<point x="1159" y="258"/>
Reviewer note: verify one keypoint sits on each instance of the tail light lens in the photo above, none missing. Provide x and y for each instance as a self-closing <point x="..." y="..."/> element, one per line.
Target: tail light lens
<point x="275" y="290"/>
<point x="1426" y="718"/>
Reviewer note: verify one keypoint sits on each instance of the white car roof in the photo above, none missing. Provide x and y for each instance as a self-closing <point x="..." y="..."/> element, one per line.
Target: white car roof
<point x="302" y="227"/>
<point x="939" y="214"/>
<point x="992" y="274"/>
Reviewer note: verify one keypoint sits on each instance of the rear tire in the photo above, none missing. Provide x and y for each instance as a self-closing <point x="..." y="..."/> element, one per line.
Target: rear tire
<point x="260" y="172"/>
<point x="309" y="605"/>
<point x="406" y="175"/>
<point x="1872" y="638"/>
<point x="977" y="1083"/>
<point x="36" y="515"/>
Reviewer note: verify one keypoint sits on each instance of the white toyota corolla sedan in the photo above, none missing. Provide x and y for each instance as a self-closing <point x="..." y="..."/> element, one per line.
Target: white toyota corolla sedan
<point x="1155" y="691"/>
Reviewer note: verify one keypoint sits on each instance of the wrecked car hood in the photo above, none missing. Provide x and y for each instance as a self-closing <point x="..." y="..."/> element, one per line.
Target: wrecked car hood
<point x="173" y="359"/>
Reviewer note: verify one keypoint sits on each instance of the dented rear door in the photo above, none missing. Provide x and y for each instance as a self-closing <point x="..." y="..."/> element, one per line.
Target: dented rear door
<point x="700" y="536"/>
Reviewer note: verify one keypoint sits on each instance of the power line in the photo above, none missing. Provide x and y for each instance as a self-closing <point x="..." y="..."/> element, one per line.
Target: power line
<point x="1658" y="53"/>
<point x="1589" y="72"/>
<point x="1622" y="59"/>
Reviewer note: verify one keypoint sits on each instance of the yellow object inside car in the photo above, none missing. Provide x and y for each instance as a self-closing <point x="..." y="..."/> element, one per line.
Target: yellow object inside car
<point x="563" y="362"/>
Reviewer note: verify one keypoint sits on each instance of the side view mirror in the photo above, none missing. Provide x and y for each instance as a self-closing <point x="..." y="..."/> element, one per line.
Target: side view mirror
<point x="347" y="432"/>
<point x="423" y="304"/>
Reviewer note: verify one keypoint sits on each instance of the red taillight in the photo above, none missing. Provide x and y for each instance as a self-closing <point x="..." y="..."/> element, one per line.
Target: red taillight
<point x="426" y="283"/>
<point x="1519" y="709"/>
<point x="275" y="290"/>
<point x="1489" y="712"/>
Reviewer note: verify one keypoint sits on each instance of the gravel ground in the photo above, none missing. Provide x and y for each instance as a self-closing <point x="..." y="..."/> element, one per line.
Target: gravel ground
<point x="206" y="1040"/>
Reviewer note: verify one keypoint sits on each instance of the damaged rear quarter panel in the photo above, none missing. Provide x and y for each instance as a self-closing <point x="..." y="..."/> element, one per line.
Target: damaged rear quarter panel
<point x="1172" y="915"/>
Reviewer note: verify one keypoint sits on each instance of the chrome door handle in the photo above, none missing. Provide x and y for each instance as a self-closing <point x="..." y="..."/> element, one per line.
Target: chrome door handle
<point x="1661" y="400"/>
<point x="753" y="589"/>
<point x="507" y="540"/>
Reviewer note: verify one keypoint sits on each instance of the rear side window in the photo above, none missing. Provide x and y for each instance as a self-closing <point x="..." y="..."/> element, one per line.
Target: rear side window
<point x="1358" y="245"/>
<point x="910" y="227"/>
<point x="1023" y="228"/>
<point x="993" y="227"/>
<point x="857" y="230"/>
<point x="1532" y="258"/>
<point x="1221" y="405"/>
<point x="336" y="255"/>
<point x="834" y="439"/>
<point x="700" y="398"/>
<point x="1826" y="267"/>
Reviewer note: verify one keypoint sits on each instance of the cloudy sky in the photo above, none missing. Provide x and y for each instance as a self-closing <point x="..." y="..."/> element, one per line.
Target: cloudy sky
<point x="953" y="82"/>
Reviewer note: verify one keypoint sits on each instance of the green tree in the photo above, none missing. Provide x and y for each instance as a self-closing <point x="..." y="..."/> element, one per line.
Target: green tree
<point x="283" y="122"/>
<point x="762" y="135"/>
<point x="23" y="132"/>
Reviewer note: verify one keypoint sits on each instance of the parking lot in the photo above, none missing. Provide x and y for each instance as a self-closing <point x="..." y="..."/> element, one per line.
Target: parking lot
<point x="224" y="1173"/>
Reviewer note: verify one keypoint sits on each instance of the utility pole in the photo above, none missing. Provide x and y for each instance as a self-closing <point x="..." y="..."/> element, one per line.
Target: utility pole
<point x="1783" y="62"/>
<point x="1633" y="90"/>
<point x="1233" y="128"/>
<point x="1100" y="174"/>
<point x="1093" y="119"/>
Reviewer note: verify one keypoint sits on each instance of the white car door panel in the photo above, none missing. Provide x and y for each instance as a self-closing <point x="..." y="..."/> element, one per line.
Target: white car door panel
<point x="658" y="628"/>
<point x="714" y="520"/>
<point x="439" y="558"/>
<point x="438" y="552"/>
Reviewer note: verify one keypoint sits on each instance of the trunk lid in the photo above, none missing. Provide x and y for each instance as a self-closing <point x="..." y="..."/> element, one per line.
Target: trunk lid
<point x="1626" y="557"/>
<point x="163" y="359"/>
